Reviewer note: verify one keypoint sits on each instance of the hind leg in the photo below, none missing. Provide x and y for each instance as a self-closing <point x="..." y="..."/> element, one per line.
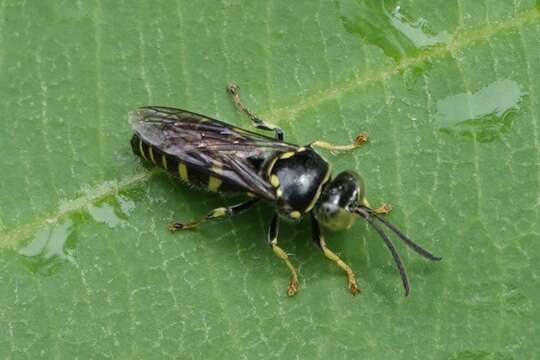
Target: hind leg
<point x="214" y="214"/>
<point x="233" y="90"/>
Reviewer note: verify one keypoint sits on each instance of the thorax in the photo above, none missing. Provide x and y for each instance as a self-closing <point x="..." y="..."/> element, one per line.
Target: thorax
<point x="298" y="178"/>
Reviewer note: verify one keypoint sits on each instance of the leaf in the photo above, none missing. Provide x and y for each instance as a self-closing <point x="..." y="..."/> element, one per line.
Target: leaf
<point x="447" y="90"/>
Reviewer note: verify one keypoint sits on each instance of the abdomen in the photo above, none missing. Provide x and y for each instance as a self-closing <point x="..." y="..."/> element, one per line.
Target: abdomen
<point x="178" y="168"/>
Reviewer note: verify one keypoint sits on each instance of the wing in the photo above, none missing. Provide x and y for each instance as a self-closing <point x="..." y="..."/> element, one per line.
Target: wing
<point x="233" y="155"/>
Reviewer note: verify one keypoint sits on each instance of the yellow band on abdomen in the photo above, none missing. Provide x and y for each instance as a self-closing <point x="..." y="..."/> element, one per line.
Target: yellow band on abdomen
<point x="214" y="183"/>
<point x="183" y="171"/>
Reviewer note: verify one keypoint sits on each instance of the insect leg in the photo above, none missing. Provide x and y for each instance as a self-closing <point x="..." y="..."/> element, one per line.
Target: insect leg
<point x="214" y="214"/>
<point x="383" y="209"/>
<point x="319" y="241"/>
<point x="233" y="90"/>
<point x="273" y="231"/>
<point x="360" y="139"/>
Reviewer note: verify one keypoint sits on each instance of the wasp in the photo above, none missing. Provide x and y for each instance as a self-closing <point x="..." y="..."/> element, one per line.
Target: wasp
<point x="297" y="180"/>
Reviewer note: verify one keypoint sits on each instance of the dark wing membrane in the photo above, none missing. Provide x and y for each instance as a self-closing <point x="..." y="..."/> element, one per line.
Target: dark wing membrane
<point x="234" y="155"/>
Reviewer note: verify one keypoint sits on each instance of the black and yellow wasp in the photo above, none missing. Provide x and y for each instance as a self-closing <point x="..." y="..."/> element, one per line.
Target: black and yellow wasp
<point x="219" y="157"/>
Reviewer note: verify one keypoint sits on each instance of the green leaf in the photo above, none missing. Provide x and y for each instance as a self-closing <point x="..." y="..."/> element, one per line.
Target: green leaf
<point x="449" y="92"/>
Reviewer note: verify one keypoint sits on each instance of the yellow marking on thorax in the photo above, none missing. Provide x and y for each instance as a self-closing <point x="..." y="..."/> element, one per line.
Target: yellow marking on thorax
<point x="214" y="183"/>
<point x="183" y="171"/>
<point x="164" y="162"/>
<point x="271" y="166"/>
<point x="274" y="180"/>
<point x="287" y="155"/>
<point x="279" y="192"/>
<point x="319" y="190"/>
<point x="295" y="214"/>
<point x="141" y="149"/>
<point x="151" y="151"/>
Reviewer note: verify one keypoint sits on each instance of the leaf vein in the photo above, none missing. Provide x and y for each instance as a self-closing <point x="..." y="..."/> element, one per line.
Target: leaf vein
<point x="459" y="41"/>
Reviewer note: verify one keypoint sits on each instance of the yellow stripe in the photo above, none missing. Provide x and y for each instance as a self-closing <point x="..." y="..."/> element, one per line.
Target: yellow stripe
<point x="214" y="183"/>
<point x="295" y="214"/>
<point x="151" y="151"/>
<point x="164" y="162"/>
<point x="271" y="166"/>
<point x="141" y="150"/>
<point x="274" y="180"/>
<point x="319" y="190"/>
<point x="183" y="172"/>
<point x="286" y="155"/>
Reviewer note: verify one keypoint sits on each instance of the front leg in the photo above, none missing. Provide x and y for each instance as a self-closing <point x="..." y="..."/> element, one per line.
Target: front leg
<point x="359" y="140"/>
<point x="383" y="209"/>
<point x="319" y="241"/>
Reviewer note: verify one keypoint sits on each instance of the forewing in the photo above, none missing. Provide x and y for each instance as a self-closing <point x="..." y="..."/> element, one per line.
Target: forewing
<point x="210" y="145"/>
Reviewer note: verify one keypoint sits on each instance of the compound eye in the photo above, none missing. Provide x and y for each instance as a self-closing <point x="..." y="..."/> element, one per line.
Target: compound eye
<point x="361" y="193"/>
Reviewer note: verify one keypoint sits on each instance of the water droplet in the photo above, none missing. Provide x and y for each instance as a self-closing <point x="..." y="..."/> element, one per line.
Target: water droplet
<point x="113" y="213"/>
<point x="53" y="243"/>
<point x="126" y="204"/>
<point x="396" y="34"/>
<point x="484" y="115"/>
<point x="48" y="245"/>
<point x="105" y="214"/>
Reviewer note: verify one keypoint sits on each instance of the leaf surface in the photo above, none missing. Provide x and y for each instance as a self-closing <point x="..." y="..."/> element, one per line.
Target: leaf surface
<point x="449" y="92"/>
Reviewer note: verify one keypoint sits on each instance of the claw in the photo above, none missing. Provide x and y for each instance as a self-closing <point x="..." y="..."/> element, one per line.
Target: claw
<point x="361" y="138"/>
<point x="293" y="287"/>
<point x="175" y="226"/>
<point x="353" y="287"/>
<point x="232" y="88"/>
<point x="383" y="209"/>
<point x="179" y="226"/>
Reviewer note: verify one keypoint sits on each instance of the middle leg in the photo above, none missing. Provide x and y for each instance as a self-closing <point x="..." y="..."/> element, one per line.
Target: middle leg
<point x="272" y="241"/>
